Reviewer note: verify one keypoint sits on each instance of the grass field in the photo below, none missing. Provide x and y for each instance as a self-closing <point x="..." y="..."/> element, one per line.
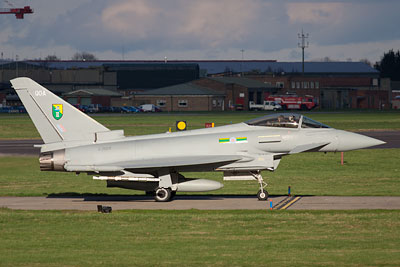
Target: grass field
<point x="366" y="172"/>
<point x="21" y="127"/>
<point x="204" y="238"/>
<point x="200" y="238"/>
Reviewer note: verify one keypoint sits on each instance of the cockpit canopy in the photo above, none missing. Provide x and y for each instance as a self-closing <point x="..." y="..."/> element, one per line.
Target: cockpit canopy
<point x="286" y="120"/>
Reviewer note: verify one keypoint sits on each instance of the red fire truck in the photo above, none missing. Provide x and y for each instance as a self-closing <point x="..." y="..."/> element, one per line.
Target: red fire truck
<point x="306" y="102"/>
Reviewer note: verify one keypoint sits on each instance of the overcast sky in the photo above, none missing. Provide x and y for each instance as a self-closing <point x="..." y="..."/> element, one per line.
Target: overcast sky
<point x="202" y="29"/>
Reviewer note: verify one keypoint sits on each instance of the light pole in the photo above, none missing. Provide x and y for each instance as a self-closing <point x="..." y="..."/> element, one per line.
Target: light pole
<point x="16" y="65"/>
<point x="303" y="45"/>
<point x="241" y="63"/>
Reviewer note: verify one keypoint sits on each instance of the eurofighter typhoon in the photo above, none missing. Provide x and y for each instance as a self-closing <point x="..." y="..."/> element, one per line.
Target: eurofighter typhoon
<point x="74" y="142"/>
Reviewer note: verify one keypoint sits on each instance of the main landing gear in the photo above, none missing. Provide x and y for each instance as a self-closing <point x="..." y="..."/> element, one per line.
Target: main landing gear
<point x="164" y="194"/>
<point x="167" y="187"/>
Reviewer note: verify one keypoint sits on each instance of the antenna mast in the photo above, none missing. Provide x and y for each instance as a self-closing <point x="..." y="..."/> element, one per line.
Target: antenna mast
<point x="303" y="45"/>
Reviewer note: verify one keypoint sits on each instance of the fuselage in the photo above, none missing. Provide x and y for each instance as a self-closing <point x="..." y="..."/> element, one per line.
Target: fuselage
<point x="237" y="139"/>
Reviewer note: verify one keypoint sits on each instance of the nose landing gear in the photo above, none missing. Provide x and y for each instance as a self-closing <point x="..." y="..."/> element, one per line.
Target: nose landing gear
<point x="262" y="193"/>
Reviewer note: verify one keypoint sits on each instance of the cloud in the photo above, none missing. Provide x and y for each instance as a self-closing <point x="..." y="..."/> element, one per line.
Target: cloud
<point x="203" y="29"/>
<point x="315" y="13"/>
<point x="207" y="22"/>
<point x="219" y="22"/>
<point x="138" y="18"/>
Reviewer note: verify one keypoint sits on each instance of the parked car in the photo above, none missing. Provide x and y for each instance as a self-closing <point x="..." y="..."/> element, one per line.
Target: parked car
<point x="105" y="109"/>
<point x="21" y="109"/>
<point x="116" y="109"/>
<point x="93" y="108"/>
<point x="14" y="109"/>
<point x="267" y="105"/>
<point x="150" y="108"/>
<point x="126" y="110"/>
<point x="79" y="107"/>
<point x="85" y="108"/>
<point x="135" y="109"/>
<point x="5" y="109"/>
<point x="130" y="109"/>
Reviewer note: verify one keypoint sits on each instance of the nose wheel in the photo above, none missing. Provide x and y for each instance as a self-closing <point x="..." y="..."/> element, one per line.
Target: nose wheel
<point x="262" y="193"/>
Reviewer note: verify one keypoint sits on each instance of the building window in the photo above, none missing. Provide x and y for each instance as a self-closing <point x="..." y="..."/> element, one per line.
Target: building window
<point x="297" y="85"/>
<point x="161" y="103"/>
<point x="280" y="84"/>
<point x="217" y="103"/>
<point x="293" y="85"/>
<point x="311" y="84"/>
<point x="375" y="82"/>
<point x="316" y="84"/>
<point x="183" y="103"/>
<point x="305" y="84"/>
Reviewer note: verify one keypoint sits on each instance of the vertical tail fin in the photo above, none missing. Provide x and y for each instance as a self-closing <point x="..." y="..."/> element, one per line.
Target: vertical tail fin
<point x="55" y="119"/>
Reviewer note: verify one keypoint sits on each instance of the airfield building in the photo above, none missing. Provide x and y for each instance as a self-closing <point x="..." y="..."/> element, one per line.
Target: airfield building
<point x="203" y="85"/>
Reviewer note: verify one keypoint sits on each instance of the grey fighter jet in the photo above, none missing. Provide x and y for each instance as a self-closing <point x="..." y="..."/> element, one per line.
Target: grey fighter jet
<point x="74" y="142"/>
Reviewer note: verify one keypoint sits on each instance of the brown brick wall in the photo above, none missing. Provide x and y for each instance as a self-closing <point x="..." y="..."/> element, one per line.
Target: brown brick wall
<point x="232" y="91"/>
<point x="375" y="99"/>
<point x="365" y="94"/>
<point x="2" y="97"/>
<point x="103" y="100"/>
<point x="208" y="83"/>
<point x="194" y="103"/>
<point x="324" y="81"/>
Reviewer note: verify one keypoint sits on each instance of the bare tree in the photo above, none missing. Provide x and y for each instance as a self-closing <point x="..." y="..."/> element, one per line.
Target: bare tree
<point x="52" y="58"/>
<point x="84" y="56"/>
<point x="323" y="59"/>
<point x="366" y="61"/>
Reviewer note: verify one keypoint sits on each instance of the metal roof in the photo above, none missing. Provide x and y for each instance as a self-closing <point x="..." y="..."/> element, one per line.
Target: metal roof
<point x="93" y="92"/>
<point x="182" y="89"/>
<point x="220" y="66"/>
<point x="249" y="83"/>
<point x="149" y="66"/>
<point x="288" y="67"/>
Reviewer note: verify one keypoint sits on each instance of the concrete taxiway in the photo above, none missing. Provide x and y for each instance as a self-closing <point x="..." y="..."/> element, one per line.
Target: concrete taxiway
<point x="202" y="203"/>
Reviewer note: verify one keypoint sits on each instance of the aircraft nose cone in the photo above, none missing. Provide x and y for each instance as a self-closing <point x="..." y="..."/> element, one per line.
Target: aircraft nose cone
<point x="352" y="141"/>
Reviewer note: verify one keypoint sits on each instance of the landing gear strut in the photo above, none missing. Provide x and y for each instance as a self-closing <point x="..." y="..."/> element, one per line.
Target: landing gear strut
<point x="262" y="193"/>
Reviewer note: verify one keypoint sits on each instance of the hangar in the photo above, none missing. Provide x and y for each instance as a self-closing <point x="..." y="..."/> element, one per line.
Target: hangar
<point x="91" y="96"/>
<point x="335" y="85"/>
<point x="181" y="97"/>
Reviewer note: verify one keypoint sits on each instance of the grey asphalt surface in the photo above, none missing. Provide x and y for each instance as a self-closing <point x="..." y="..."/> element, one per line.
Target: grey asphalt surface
<point x="20" y="147"/>
<point x="25" y="147"/>
<point x="200" y="203"/>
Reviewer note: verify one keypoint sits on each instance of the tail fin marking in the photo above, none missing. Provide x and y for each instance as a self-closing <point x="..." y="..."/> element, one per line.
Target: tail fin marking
<point x="55" y="119"/>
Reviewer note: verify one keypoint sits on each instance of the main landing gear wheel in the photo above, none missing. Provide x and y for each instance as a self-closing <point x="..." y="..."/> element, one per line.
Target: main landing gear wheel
<point x="163" y="194"/>
<point x="262" y="195"/>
